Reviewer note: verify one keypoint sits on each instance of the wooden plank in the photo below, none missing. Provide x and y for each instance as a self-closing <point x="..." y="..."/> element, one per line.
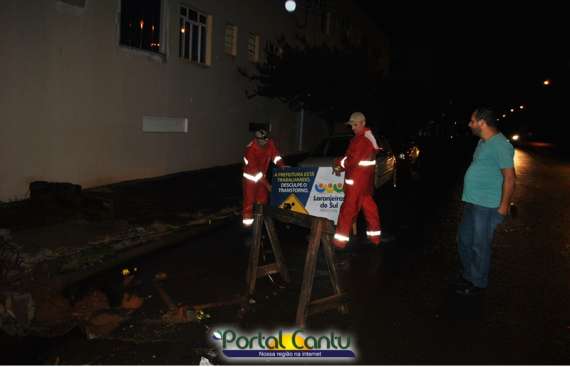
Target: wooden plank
<point x="276" y="246"/>
<point x="331" y="264"/>
<point x="232" y="301"/>
<point x="290" y="217"/>
<point x="267" y="269"/>
<point x="255" y="249"/>
<point x="309" y="271"/>
<point x="326" y="303"/>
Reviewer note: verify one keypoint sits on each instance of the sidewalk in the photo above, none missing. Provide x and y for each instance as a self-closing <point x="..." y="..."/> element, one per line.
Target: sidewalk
<point x="116" y="219"/>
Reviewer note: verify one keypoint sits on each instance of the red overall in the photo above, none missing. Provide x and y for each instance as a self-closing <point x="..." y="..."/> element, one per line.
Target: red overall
<point x="359" y="165"/>
<point x="255" y="184"/>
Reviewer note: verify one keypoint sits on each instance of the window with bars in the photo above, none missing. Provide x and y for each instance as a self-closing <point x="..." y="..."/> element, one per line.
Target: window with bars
<point x="230" y="39"/>
<point x="140" y="24"/>
<point x="193" y="35"/>
<point x="253" y="47"/>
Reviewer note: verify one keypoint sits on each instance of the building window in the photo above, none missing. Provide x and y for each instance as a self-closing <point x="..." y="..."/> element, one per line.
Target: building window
<point x="253" y="42"/>
<point x="231" y="39"/>
<point x="140" y="24"/>
<point x="193" y="42"/>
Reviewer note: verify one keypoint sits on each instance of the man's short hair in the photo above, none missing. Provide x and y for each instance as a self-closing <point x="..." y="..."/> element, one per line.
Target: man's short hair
<point x="486" y="114"/>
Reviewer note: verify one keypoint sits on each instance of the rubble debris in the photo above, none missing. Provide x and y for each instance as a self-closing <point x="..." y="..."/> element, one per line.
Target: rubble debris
<point x="11" y="262"/>
<point x="68" y="264"/>
<point x="178" y="315"/>
<point x="93" y="302"/>
<point x="131" y="301"/>
<point x="162" y="227"/>
<point x="103" y="324"/>
<point x="18" y="306"/>
<point x="53" y="315"/>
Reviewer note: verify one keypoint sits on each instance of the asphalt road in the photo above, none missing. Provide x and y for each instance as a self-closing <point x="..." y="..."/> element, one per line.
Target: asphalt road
<point x="402" y="307"/>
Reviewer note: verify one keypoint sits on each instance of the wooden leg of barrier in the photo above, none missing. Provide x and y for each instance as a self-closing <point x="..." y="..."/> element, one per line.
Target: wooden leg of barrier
<point x="329" y="256"/>
<point x="276" y="246"/>
<point x="309" y="272"/>
<point x="254" y="252"/>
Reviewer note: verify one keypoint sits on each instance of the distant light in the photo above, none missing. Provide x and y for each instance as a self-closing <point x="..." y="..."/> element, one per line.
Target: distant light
<point x="521" y="107"/>
<point x="546" y="82"/>
<point x="141" y="23"/>
<point x="515" y="137"/>
<point x="504" y="115"/>
<point x="290" y="5"/>
<point x="182" y="30"/>
<point x="512" y="110"/>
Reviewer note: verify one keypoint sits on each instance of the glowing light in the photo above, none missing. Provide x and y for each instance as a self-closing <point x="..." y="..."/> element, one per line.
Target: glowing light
<point x="515" y="137"/>
<point x="512" y="110"/>
<point x="546" y="82"/>
<point x="504" y="115"/>
<point x="521" y="107"/>
<point x="182" y="30"/>
<point x="290" y="5"/>
<point x="141" y="24"/>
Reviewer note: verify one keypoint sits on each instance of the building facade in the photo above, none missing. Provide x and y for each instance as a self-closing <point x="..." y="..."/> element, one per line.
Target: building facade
<point x="101" y="91"/>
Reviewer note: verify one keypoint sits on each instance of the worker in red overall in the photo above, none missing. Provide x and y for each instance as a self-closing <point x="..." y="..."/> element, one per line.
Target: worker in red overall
<point x="359" y="163"/>
<point x="259" y="153"/>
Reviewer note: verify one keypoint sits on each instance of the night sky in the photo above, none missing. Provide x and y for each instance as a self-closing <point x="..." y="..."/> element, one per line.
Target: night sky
<point x="476" y="53"/>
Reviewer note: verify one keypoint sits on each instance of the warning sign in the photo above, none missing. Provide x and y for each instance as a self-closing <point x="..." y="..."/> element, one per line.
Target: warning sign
<point x="308" y="190"/>
<point x="294" y="204"/>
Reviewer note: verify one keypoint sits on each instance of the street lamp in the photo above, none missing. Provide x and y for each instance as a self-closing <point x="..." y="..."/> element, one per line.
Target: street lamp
<point x="290" y="5"/>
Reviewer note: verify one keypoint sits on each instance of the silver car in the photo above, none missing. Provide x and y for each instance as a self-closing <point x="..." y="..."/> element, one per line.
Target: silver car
<point x="335" y="146"/>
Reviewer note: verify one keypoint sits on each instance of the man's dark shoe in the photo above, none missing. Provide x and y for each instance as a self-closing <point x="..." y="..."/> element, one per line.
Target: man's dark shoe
<point x="469" y="290"/>
<point x="460" y="282"/>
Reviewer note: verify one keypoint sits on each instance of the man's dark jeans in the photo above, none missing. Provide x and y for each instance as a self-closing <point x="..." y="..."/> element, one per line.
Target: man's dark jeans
<point x="475" y="238"/>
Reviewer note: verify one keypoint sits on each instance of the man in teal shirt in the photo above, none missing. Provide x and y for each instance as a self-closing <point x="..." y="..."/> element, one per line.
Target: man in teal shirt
<point x="488" y="186"/>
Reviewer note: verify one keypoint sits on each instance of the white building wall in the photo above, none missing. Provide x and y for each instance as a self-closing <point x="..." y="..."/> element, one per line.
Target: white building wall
<point x="72" y="99"/>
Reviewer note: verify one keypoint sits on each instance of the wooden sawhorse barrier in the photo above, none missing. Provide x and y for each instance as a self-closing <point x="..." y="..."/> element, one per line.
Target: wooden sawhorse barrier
<point x="322" y="231"/>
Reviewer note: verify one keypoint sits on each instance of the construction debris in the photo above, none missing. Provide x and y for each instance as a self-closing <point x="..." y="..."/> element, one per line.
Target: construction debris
<point x="103" y="324"/>
<point x="131" y="302"/>
<point x="92" y="303"/>
<point x="179" y="315"/>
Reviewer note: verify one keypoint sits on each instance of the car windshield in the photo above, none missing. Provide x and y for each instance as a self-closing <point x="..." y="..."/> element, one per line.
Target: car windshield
<point x="332" y="147"/>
